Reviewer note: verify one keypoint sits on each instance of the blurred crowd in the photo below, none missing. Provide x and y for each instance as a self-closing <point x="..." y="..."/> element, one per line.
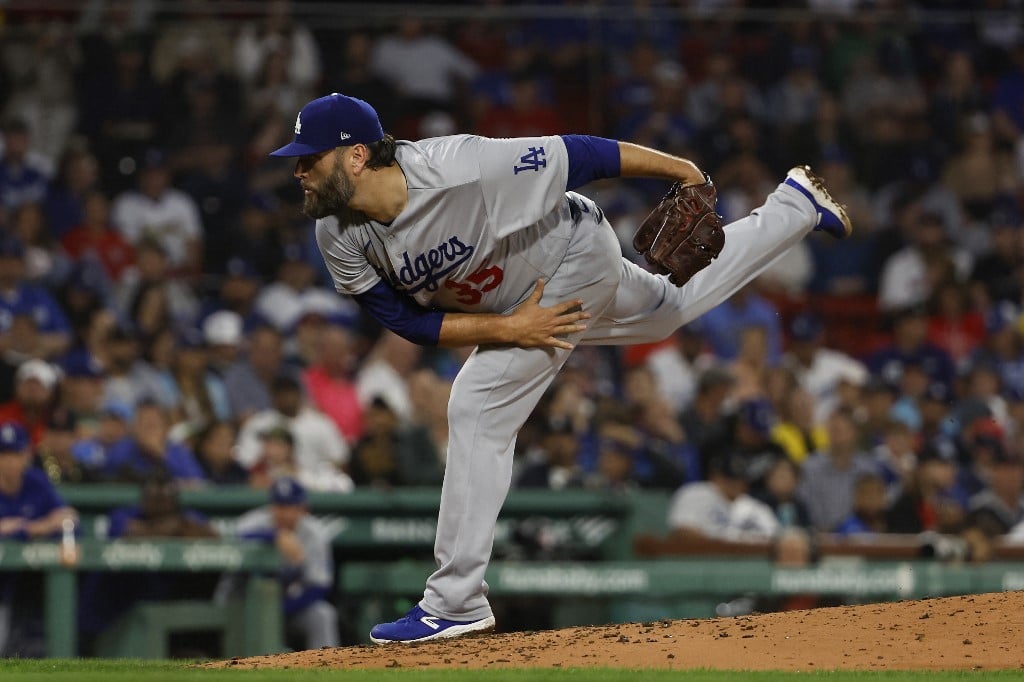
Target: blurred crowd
<point x="164" y="310"/>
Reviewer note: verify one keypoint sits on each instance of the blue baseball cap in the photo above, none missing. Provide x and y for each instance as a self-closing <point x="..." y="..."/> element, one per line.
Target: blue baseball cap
<point x="287" y="491"/>
<point x="758" y="414"/>
<point x="83" y="366"/>
<point x="333" y="121"/>
<point x="13" y="437"/>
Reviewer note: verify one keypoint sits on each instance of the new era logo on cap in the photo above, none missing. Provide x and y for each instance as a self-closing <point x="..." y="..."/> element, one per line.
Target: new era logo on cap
<point x="333" y="121"/>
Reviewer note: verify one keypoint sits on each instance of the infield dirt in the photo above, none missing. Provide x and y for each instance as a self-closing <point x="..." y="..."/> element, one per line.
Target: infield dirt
<point x="954" y="633"/>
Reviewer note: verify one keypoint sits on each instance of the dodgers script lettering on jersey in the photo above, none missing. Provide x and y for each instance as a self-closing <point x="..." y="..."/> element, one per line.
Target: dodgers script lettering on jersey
<point x="484" y="219"/>
<point x="425" y="270"/>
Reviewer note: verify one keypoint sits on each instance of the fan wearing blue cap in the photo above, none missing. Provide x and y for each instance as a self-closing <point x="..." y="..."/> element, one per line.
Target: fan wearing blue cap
<point x="30" y="506"/>
<point x="307" y="569"/>
<point x="464" y="240"/>
<point x="20" y="297"/>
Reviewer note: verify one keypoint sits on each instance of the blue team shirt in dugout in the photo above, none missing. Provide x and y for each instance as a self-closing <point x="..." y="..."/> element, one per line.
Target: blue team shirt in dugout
<point x="36" y="499"/>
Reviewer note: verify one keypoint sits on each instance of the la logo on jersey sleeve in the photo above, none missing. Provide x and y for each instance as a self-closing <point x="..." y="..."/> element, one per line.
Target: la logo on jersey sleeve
<point x="532" y="160"/>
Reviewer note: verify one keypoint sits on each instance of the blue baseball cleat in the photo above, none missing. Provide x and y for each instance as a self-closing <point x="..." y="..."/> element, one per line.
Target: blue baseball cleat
<point x="832" y="218"/>
<point x="420" y="626"/>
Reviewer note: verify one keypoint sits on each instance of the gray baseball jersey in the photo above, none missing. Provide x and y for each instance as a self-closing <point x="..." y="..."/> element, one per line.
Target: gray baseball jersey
<point x="485" y="219"/>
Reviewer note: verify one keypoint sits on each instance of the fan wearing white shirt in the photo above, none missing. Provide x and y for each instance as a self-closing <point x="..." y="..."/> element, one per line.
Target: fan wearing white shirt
<point x="319" y="446"/>
<point x="158" y="211"/>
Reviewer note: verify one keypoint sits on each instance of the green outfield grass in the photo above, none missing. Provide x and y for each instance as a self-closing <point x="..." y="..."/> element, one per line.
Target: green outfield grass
<point x="166" y="671"/>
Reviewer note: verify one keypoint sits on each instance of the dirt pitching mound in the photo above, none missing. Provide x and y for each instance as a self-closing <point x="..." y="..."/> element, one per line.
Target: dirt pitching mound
<point x="961" y="633"/>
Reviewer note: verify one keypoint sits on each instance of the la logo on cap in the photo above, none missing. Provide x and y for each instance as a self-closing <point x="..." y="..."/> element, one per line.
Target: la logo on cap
<point x="298" y="123"/>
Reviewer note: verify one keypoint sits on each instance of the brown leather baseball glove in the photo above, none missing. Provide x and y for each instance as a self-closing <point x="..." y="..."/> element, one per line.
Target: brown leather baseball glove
<point x="683" y="234"/>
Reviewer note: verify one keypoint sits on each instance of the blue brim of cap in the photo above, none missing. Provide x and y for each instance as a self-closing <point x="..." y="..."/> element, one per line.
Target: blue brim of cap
<point x="298" y="149"/>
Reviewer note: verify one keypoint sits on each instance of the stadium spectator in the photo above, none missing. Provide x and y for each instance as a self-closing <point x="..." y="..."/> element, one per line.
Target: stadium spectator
<point x="201" y="397"/>
<point x="913" y="274"/>
<point x="428" y="394"/>
<point x="159" y="514"/>
<point x="705" y="421"/>
<point x="664" y="459"/>
<point x="552" y="463"/>
<point x="896" y="459"/>
<point x="777" y="488"/>
<point x="910" y="346"/>
<point x="869" y="505"/>
<point x="307" y="568"/>
<point x="130" y="378"/>
<point x="390" y="453"/>
<point x="30" y="508"/>
<point x="195" y="43"/>
<point x="717" y="516"/>
<point x="20" y="344"/>
<point x="45" y="262"/>
<point x="1000" y="507"/>
<point x="526" y="114"/>
<point x="94" y="238"/>
<point x="954" y="326"/>
<point x="18" y="296"/>
<point x="797" y="431"/>
<point x="35" y="385"/>
<point x="931" y="501"/>
<point x="276" y="458"/>
<point x="722" y="325"/>
<point x="222" y="334"/>
<point x="1002" y="347"/>
<point x="295" y="292"/>
<point x="277" y="33"/>
<point x="249" y="379"/>
<point x="320" y="450"/>
<point x="817" y="368"/>
<point x="92" y="452"/>
<point x="148" y="451"/>
<point x="153" y="299"/>
<point x="77" y="178"/>
<point x="81" y="389"/>
<point x="386" y="371"/>
<point x="423" y="67"/>
<point x="21" y="179"/>
<point x="677" y="364"/>
<point x="328" y="382"/>
<point x="748" y="433"/>
<point x="828" y="477"/>
<point x="214" y="446"/>
<point x="158" y="212"/>
<point x="237" y="293"/>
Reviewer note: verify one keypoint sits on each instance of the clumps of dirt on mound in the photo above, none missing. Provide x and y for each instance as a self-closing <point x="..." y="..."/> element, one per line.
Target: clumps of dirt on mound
<point x="962" y="633"/>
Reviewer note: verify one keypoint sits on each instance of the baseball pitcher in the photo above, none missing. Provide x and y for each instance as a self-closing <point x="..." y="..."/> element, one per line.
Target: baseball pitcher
<point x="464" y="240"/>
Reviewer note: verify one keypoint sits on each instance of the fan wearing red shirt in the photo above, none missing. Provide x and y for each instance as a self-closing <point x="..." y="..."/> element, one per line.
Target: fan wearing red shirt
<point x="96" y="237"/>
<point x="34" y="384"/>
<point x="329" y="386"/>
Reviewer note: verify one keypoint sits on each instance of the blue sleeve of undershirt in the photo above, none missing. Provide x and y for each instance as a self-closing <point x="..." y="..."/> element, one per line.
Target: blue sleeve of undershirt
<point x="591" y="158"/>
<point x="401" y="314"/>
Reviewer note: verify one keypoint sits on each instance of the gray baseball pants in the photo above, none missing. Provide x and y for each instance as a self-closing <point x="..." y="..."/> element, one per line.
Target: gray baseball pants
<point x="498" y="388"/>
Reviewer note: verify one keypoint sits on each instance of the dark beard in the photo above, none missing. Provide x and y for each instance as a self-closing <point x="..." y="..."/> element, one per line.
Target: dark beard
<point x="332" y="199"/>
